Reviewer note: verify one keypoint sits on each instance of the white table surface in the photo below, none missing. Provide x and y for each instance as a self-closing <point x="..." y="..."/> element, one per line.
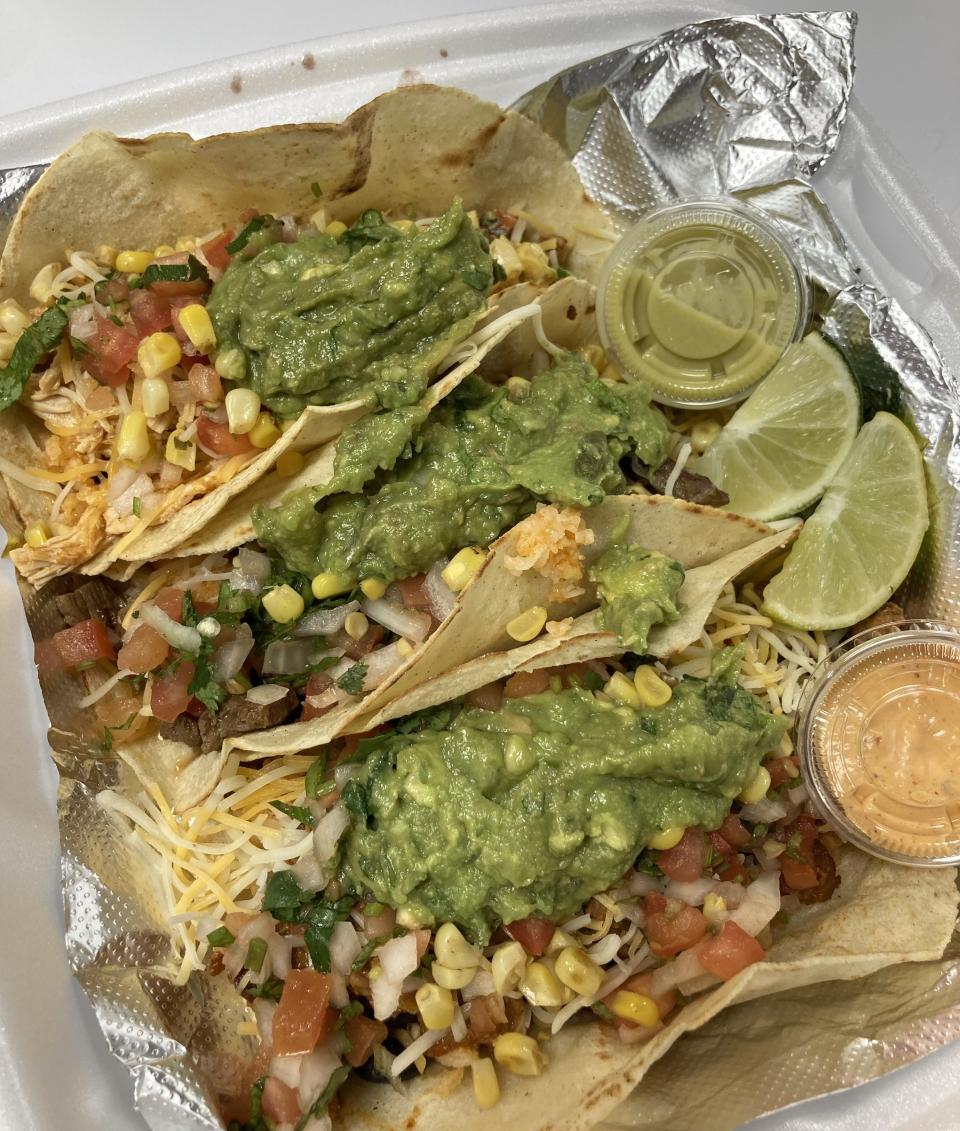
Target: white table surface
<point x="908" y="80"/>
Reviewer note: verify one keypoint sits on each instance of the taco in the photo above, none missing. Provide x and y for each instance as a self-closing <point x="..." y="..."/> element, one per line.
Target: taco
<point x="543" y="880"/>
<point x="182" y="318"/>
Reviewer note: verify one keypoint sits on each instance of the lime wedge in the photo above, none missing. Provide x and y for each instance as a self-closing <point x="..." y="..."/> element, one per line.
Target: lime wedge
<point x="787" y="440"/>
<point x="863" y="537"/>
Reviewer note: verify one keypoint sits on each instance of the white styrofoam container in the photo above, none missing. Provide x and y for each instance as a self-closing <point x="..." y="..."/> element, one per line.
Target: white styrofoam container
<point x="55" y="1065"/>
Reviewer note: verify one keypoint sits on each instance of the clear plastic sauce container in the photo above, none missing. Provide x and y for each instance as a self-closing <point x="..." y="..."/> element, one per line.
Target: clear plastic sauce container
<point x="879" y="739"/>
<point x="699" y="300"/>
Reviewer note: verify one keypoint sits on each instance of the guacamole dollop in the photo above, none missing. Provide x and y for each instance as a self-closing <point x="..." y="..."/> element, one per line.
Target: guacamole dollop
<point x="482" y="460"/>
<point x="533" y="809"/>
<point x="638" y="588"/>
<point x="370" y="313"/>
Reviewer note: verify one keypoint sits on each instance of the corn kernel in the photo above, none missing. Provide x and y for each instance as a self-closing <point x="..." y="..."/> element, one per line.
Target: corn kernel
<point x="197" y="326"/>
<point x="453" y="950"/>
<point x="230" y="364"/>
<point x="373" y="587"/>
<point x="518" y="388"/>
<point x="486" y="1086"/>
<point x="527" y="624"/>
<point x="405" y="226"/>
<point x="283" y="604"/>
<point x="578" y="971"/>
<point x="163" y="249"/>
<point x="185" y="243"/>
<point x="41" y="288"/>
<point x="265" y="432"/>
<point x="507" y="966"/>
<point x="560" y="940"/>
<point x="636" y="1008"/>
<point x="474" y="217"/>
<point x="356" y="625"/>
<point x="703" y="433"/>
<point x="133" y="262"/>
<point x="540" y="986"/>
<point x="773" y="847"/>
<point x="667" y="838"/>
<point x="520" y="756"/>
<point x="290" y="464"/>
<point x="519" y="1054"/>
<point x="757" y="789"/>
<point x="621" y="689"/>
<point x="36" y="535"/>
<point x="13" y="318"/>
<point x="404" y="647"/>
<point x="243" y="410"/>
<point x="450" y="978"/>
<point x="536" y="265"/>
<point x="714" y="907"/>
<point x="335" y="228"/>
<point x="651" y="689"/>
<point x="462" y="567"/>
<point x="319" y="219"/>
<point x="155" y="394"/>
<point x="611" y="374"/>
<point x="158" y="353"/>
<point x="436" y="1006"/>
<point x="326" y="585"/>
<point x="133" y="443"/>
<point x="594" y="355"/>
<point x="181" y="453"/>
<point x="107" y="255"/>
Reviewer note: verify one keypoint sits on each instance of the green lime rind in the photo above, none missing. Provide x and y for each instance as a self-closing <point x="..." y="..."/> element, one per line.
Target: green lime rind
<point x="859" y="544"/>
<point x="786" y="442"/>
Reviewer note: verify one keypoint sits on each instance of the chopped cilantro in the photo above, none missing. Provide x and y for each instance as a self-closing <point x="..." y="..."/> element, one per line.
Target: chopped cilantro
<point x="187" y="272"/>
<point x="78" y="347"/>
<point x="366" y="951"/>
<point x="322" y="1102"/>
<point x="316" y="189"/>
<point x="353" y="797"/>
<point x="352" y="679"/>
<point x="271" y="989"/>
<point x="242" y="238"/>
<point x="136" y="505"/>
<point x="314" y="779"/>
<point x="38" y="339"/>
<point x="256" y="953"/>
<point x="220" y="937"/>
<point x="562" y="273"/>
<point x="288" y="903"/>
<point x="297" y="812"/>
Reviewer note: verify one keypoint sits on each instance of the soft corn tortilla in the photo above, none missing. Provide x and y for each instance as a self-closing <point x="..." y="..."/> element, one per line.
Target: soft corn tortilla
<point x="418" y="146"/>
<point x="471" y="646"/>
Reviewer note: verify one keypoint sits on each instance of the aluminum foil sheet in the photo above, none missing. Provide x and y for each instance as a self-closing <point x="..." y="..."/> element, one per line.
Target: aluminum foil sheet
<point x="752" y="106"/>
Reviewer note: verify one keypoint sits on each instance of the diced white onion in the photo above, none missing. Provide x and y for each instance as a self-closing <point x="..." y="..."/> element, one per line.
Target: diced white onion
<point x="344" y="947"/>
<point x="287" y="1069"/>
<point x="266" y="693"/>
<point x="310" y="873"/>
<point x="441" y="597"/>
<point x="180" y="636"/>
<point x="458" y="1027"/>
<point x="99" y="692"/>
<point x="605" y="951"/>
<point x="416" y="1049"/>
<point x="82" y="325"/>
<point x="250" y="570"/>
<point x="121" y="480"/>
<point x="640" y="883"/>
<point x="287" y="657"/>
<point x="380" y="664"/>
<point x="229" y="657"/>
<point x="411" y="623"/>
<point x="325" y="622"/>
<point x="263" y="1010"/>
<point x="761" y="901"/>
<point x="328" y="831"/>
<point x="398" y="959"/>
<point x="797" y="795"/>
<point x="315" y="1072"/>
<point x="481" y="985"/>
<point x="684" y="967"/>
<point x="767" y="810"/>
<point x="343" y="774"/>
<point x="695" y="891"/>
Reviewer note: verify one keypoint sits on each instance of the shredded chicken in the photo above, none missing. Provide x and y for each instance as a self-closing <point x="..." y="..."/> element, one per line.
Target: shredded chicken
<point x="63" y="552"/>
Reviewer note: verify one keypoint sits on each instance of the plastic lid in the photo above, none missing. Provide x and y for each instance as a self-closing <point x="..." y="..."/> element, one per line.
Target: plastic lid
<point x="699" y="301"/>
<point x="879" y="741"/>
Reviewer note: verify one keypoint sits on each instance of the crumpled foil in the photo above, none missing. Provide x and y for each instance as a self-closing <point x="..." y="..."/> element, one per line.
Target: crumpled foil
<point x="752" y="106"/>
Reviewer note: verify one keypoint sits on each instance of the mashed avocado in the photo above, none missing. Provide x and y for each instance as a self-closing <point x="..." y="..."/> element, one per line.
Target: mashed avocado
<point x="480" y="462"/>
<point x="370" y="313"/>
<point x="638" y="589"/>
<point x="533" y="809"/>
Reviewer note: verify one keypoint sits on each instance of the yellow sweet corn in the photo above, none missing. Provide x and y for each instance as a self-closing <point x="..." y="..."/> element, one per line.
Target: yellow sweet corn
<point x="373" y="587"/>
<point x="435" y="1004"/>
<point x="450" y="978"/>
<point x="486" y="1086"/>
<point x="36" y="535"/>
<point x="133" y="443"/>
<point x="335" y="228"/>
<point x="453" y="950"/>
<point x="330" y="584"/>
<point x="133" y="262"/>
<point x="507" y="965"/>
<point x="668" y="838"/>
<point x="230" y="364"/>
<point x="528" y="624"/>
<point x="163" y="249"/>
<point x="636" y="1008"/>
<point x="290" y="464"/>
<point x="41" y="289"/>
<point x="13" y="318"/>
<point x="540" y="986"/>
<point x="703" y="433"/>
<point x="197" y="326"/>
<point x="594" y="355"/>
<point x="519" y="1054"/>
<point x="155" y="395"/>
<point x="652" y="691"/>
<point x="714" y="907"/>
<point x="243" y="410"/>
<point x="356" y="625"/>
<point x="757" y="789"/>
<point x="283" y="604"/>
<point x="577" y="970"/>
<point x="462" y="567"/>
<point x="158" y="353"/>
<point x="404" y="647"/>
<point x="620" y="688"/>
<point x="265" y="432"/>
<point x="182" y="453"/>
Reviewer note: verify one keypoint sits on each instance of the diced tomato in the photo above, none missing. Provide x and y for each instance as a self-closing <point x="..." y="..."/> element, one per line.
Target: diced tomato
<point x="782" y="770"/>
<point x="364" y="1034"/>
<point x="797" y="864"/>
<point x="150" y="312"/>
<point x="84" y="643"/>
<point x="145" y="650"/>
<point x="718" y="844"/>
<point x="301" y="1017"/>
<point x="170" y="289"/>
<point x="205" y="384"/>
<point x="730" y="951"/>
<point x="486" y="698"/>
<point x="195" y="708"/>
<point x="112" y="348"/>
<point x="532" y="934"/>
<point x="170" y="600"/>
<point x="572" y="675"/>
<point x="486" y="1016"/>
<point x="46" y="655"/>
<point x="205" y="596"/>
<point x="413" y="592"/>
<point x="118" y="709"/>
<point x="685" y="861"/>
<point x="526" y="683"/>
<point x="220" y="440"/>
<point x="734" y="832"/>
<point x="643" y="984"/>
<point x="279" y="1102"/>
<point x="215" y="250"/>
<point x="116" y="289"/>
<point x="349" y="743"/>
<point x="169" y="695"/>
<point x="357" y="649"/>
<point x="669" y="932"/>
